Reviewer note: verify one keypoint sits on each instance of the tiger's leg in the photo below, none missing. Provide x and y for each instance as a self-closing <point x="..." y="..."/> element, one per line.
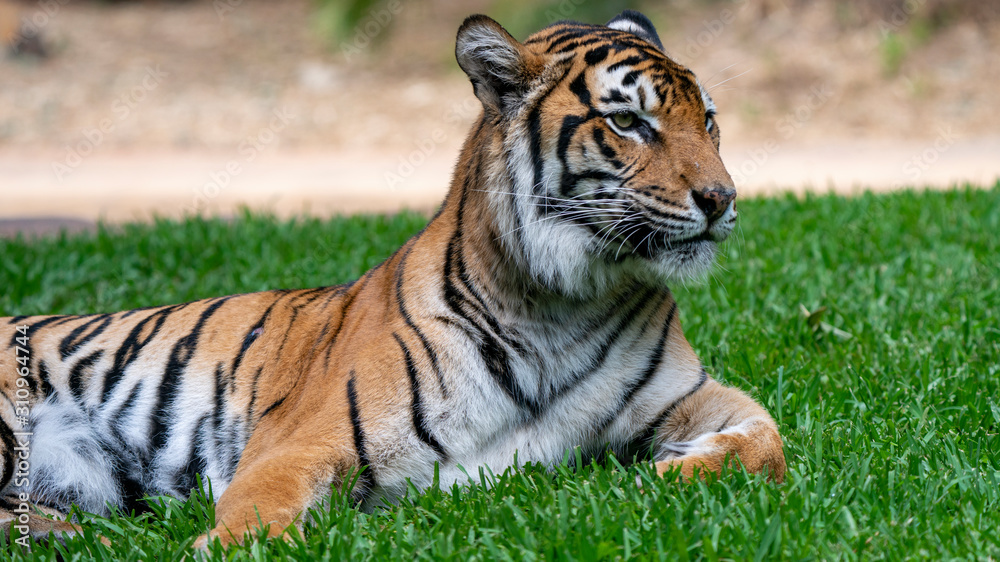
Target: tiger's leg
<point x="287" y="466"/>
<point x="32" y="521"/>
<point x="716" y="422"/>
<point x="35" y="522"/>
<point x="273" y="492"/>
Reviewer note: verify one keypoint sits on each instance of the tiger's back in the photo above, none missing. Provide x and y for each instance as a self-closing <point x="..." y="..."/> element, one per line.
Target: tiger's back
<point x="137" y="403"/>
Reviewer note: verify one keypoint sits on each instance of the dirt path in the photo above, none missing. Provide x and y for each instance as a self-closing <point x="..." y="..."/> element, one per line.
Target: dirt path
<point x="136" y="186"/>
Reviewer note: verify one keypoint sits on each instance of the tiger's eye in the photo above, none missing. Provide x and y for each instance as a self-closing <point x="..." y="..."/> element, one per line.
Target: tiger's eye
<point x="624" y="119"/>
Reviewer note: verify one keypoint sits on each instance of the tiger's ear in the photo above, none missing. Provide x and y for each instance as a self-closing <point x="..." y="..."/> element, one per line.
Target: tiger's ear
<point x="499" y="67"/>
<point x="635" y="23"/>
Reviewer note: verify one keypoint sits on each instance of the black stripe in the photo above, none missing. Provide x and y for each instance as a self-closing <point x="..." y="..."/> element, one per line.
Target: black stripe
<point x="7" y="437"/>
<point x="180" y="356"/>
<point x="127" y="406"/>
<point x="597" y="55"/>
<point x="567" y="129"/>
<point x="645" y="440"/>
<point x="615" y="96"/>
<point x="639" y="303"/>
<point x="130" y="349"/>
<point x="416" y="407"/>
<point x="77" y="372"/>
<point x="666" y="214"/>
<point x="236" y="443"/>
<point x="647" y="374"/>
<point x="220" y="388"/>
<point x="252" y="334"/>
<point x="648" y="191"/>
<point x="490" y="349"/>
<point x="535" y="134"/>
<point x="128" y="313"/>
<point x="431" y="354"/>
<point x="628" y="61"/>
<point x="46" y="378"/>
<point x="501" y="332"/>
<point x="572" y="45"/>
<point x="498" y="364"/>
<point x="77" y="338"/>
<point x="17" y="319"/>
<point x="253" y="392"/>
<point x="256" y="331"/>
<point x="456" y="254"/>
<point x="630" y="78"/>
<point x="299" y="301"/>
<point x="579" y="87"/>
<point x="562" y="37"/>
<point x="606" y="149"/>
<point x="455" y="259"/>
<point x="33" y="379"/>
<point x="131" y="489"/>
<point x="197" y="463"/>
<point x="359" y="433"/>
<point x="30" y="335"/>
<point x="221" y="385"/>
<point x="8" y="505"/>
<point x="725" y="424"/>
<point x="268" y="410"/>
<point x="366" y="479"/>
<point x="535" y="146"/>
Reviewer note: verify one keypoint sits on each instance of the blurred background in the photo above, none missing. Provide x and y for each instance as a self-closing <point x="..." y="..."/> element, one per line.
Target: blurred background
<point x="121" y="110"/>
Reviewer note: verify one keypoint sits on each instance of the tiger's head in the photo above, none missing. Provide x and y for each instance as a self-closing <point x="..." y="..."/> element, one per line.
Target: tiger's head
<point x="604" y="153"/>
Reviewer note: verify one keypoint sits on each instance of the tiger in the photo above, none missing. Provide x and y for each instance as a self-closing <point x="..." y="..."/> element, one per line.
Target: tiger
<point x="530" y="317"/>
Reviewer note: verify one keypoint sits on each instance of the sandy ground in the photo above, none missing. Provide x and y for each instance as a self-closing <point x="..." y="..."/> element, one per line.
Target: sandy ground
<point x="129" y="186"/>
<point x="163" y="108"/>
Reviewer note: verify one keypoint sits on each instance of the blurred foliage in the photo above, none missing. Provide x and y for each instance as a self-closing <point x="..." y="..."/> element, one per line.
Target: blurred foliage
<point x="892" y="50"/>
<point x="903" y="24"/>
<point x="524" y="17"/>
<point x="339" y="20"/>
<point x="896" y="45"/>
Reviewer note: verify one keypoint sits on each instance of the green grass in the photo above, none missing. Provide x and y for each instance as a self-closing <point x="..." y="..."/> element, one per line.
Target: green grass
<point x="891" y="434"/>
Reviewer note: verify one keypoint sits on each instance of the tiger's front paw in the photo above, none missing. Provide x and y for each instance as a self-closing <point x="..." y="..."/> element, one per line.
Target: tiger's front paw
<point x="688" y="466"/>
<point x="757" y="448"/>
<point x="224" y="537"/>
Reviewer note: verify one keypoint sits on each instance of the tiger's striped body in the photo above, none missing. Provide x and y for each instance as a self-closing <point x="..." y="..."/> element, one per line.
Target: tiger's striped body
<point x="529" y="317"/>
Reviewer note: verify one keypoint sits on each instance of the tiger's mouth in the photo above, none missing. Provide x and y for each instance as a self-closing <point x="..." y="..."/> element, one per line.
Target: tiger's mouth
<point x="647" y="241"/>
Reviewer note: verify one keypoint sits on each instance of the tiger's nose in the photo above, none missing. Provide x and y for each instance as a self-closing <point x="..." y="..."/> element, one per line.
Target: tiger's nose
<point x="714" y="200"/>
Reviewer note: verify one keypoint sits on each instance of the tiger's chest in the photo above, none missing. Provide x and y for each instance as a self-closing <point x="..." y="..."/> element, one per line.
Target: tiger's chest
<point x="594" y="395"/>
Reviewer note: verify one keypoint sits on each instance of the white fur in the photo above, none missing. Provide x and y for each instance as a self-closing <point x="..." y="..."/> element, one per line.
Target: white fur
<point x="67" y="460"/>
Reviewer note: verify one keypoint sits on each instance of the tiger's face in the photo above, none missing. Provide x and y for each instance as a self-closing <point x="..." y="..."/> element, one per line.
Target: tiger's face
<point x="611" y="148"/>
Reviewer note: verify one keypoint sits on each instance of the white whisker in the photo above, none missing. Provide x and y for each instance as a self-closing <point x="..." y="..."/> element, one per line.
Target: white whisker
<point x="714" y="86"/>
